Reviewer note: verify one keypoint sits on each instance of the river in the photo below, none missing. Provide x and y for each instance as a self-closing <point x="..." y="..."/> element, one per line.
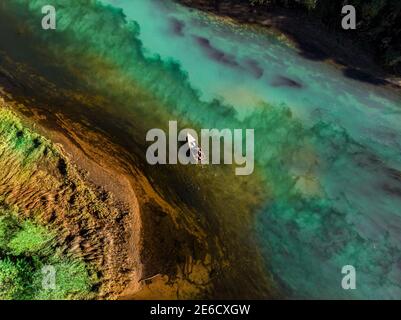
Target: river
<point x="326" y="191"/>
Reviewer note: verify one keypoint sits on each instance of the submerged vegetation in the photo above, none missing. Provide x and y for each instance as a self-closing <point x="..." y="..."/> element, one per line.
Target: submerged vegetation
<point x="308" y="222"/>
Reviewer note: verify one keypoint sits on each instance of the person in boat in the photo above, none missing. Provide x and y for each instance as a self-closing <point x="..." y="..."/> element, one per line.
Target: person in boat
<point x="194" y="149"/>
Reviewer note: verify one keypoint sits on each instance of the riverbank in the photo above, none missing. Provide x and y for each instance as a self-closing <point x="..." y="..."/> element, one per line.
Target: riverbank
<point x="117" y="230"/>
<point x="311" y="38"/>
<point x="194" y="242"/>
<point x="45" y="183"/>
<point x="90" y="199"/>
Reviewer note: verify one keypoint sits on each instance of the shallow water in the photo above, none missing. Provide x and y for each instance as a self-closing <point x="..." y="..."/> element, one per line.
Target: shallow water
<point x="354" y="217"/>
<point x="327" y="147"/>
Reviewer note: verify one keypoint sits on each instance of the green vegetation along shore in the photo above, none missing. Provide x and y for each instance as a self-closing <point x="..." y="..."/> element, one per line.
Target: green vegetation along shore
<point x="51" y="216"/>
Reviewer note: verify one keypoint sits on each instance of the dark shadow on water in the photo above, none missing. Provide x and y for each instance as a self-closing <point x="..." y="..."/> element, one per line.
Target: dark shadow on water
<point x="310" y="51"/>
<point x="315" y="42"/>
<point x="312" y="38"/>
<point x="363" y="76"/>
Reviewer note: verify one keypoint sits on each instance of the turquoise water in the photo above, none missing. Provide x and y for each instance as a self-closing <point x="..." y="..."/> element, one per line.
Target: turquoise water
<point x="355" y="216"/>
<point x="327" y="148"/>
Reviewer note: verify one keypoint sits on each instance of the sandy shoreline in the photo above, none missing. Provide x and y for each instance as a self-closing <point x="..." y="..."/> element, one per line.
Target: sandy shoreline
<point x="106" y="176"/>
<point x="196" y="246"/>
<point x="150" y="270"/>
<point x="176" y="232"/>
<point x="105" y="181"/>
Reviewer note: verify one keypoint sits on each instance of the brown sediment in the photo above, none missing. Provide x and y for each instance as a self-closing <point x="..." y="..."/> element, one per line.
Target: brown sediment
<point x="110" y="237"/>
<point x="158" y="249"/>
<point x="63" y="194"/>
<point x="129" y="183"/>
<point x="178" y="248"/>
<point x="45" y="184"/>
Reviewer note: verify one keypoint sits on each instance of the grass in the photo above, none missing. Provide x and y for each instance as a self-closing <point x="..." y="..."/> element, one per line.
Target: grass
<point x="38" y="184"/>
<point x="26" y="252"/>
<point x="29" y="240"/>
